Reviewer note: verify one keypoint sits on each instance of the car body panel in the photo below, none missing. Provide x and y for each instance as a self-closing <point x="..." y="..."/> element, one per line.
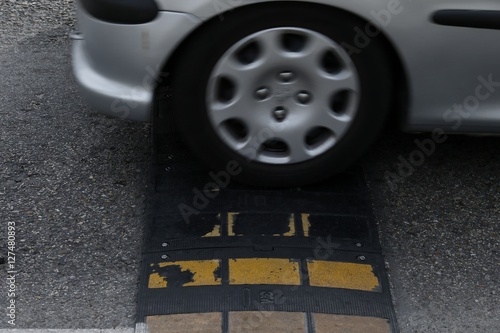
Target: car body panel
<point x="119" y="66"/>
<point x="445" y="66"/>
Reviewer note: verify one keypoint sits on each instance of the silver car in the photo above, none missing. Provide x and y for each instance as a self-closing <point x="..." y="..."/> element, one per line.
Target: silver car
<point x="290" y="92"/>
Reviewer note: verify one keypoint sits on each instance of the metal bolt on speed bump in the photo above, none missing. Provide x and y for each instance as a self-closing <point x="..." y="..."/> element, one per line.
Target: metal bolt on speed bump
<point x="361" y="258"/>
<point x="165" y="244"/>
<point x="165" y="256"/>
<point x="359" y="245"/>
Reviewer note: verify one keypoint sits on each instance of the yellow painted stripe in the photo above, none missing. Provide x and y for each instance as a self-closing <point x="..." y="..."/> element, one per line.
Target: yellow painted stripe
<point x="213" y="188"/>
<point x="291" y="227"/>
<point x="306" y="225"/>
<point x="267" y="322"/>
<point x="182" y="323"/>
<point x="156" y="281"/>
<point x="342" y="275"/>
<point x="264" y="271"/>
<point x="186" y="273"/>
<point x="328" y="323"/>
<point x="230" y="223"/>
<point x="214" y="233"/>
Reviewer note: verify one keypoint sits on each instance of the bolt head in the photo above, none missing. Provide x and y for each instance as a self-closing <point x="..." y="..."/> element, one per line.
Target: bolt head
<point x="304" y="97"/>
<point x="262" y="93"/>
<point x="279" y="113"/>
<point x="286" y="76"/>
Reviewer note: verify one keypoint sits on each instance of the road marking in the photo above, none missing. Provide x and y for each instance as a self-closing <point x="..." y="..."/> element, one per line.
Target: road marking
<point x="266" y="322"/>
<point x="306" y="225"/>
<point x="186" y="274"/>
<point x="184" y="323"/>
<point x="264" y="271"/>
<point x="230" y="223"/>
<point x="343" y="275"/>
<point x="327" y="323"/>
<point x="291" y="227"/>
<point x="214" y="233"/>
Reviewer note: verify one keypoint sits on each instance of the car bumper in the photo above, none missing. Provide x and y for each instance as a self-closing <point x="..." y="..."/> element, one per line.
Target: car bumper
<point x="118" y="66"/>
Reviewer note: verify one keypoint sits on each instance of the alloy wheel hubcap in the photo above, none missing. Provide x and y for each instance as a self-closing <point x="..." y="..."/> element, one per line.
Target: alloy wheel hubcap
<point x="283" y="95"/>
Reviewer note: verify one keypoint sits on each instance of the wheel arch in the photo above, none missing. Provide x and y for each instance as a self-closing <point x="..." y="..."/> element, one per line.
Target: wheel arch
<point x="400" y="84"/>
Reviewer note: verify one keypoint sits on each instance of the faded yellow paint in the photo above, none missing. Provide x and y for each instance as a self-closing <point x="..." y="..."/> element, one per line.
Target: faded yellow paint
<point x="230" y="223"/>
<point x="214" y="233"/>
<point x="328" y="323"/>
<point x="306" y="225"/>
<point x="204" y="273"/>
<point x="267" y="322"/>
<point x="213" y="189"/>
<point x="264" y="271"/>
<point x="291" y="227"/>
<point x="343" y="275"/>
<point x="156" y="281"/>
<point x="182" y="323"/>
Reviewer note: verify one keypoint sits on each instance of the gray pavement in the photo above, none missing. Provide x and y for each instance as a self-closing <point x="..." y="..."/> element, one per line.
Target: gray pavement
<point x="440" y="229"/>
<point x="74" y="182"/>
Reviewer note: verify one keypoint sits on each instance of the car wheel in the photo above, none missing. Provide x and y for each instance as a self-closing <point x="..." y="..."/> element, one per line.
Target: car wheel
<point x="273" y="89"/>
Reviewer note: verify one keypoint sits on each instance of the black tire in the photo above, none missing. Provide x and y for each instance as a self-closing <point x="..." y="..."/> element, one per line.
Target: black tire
<point x="190" y="76"/>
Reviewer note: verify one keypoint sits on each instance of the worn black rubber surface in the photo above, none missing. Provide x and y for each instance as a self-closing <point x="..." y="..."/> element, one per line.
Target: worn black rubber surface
<point x="256" y="223"/>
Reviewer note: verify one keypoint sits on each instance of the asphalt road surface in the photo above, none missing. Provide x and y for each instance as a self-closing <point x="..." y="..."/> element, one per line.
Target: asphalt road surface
<point x="73" y="184"/>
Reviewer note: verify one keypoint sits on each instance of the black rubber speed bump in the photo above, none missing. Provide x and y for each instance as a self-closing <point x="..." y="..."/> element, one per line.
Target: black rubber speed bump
<point x="222" y="257"/>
